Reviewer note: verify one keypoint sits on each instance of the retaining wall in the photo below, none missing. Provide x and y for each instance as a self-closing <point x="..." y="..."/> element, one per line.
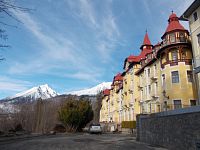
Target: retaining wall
<point x="177" y="129"/>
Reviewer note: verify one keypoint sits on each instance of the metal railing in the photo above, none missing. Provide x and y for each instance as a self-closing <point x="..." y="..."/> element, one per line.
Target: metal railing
<point x="176" y="41"/>
<point x="164" y="108"/>
<point x="154" y="75"/>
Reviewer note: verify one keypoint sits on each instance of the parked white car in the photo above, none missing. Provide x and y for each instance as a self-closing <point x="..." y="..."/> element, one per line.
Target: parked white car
<point x="95" y="128"/>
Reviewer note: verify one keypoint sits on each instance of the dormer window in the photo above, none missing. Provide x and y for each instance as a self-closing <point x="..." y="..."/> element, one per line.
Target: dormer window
<point x="172" y="38"/>
<point x="182" y="39"/>
<point x="195" y="16"/>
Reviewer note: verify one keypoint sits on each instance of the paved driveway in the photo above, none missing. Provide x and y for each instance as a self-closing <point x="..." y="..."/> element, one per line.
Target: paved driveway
<point x="77" y="142"/>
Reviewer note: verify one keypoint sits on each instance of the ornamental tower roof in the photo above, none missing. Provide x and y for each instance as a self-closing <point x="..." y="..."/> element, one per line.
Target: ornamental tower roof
<point x="146" y="42"/>
<point x="173" y="24"/>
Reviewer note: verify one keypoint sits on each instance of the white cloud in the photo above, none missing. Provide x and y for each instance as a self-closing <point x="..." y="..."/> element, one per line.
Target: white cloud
<point x="58" y="48"/>
<point x="84" y="76"/>
<point x="10" y="85"/>
<point x="87" y="12"/>
<point x="103" y="24"/>
<point x="58" y="53"/>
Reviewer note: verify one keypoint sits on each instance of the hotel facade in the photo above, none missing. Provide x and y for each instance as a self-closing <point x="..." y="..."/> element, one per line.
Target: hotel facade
<point x="159" y="79"/>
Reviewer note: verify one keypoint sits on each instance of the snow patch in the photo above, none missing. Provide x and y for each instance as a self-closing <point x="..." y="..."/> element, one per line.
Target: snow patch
<point x="92" y="91"/>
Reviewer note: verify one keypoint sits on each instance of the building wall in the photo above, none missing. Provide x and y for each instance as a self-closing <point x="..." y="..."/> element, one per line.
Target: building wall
<point x="184" y="90"/>
<point x="157" y="91"/>
<point x="126" y="97"/>
<point x="135" y="93"/>
<point x="150" y="97"/>
<point x="176" y="129"/>
<point x="116" y="103"/>
<point x="195" y="30"/>
<point x="130" y="92"/>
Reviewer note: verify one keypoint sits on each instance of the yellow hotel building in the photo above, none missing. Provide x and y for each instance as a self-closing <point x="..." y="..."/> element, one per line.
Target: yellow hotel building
<point x="160" y="78"/>
<point x="166" y="76"/>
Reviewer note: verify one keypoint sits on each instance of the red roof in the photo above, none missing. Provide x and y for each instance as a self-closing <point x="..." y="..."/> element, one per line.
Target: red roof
<point x="146" y="40"/>
<point x="106" y="92"/>
<point x="158" y="44"/>
<point x="118" y="77"/>
<point x="137" y="59"/>
<point x="173" y="24"/>
<point x="133" y="58"/>
<point x="144" y="53"/>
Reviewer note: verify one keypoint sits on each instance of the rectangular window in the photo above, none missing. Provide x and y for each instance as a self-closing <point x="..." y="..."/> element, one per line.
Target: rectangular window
<point x="175" y="77"/>
<point x="163" y="80"/>
<point x="172" y="38"/>
<point x="193" y="102"/>
<point x="156" y="84"/>
<point x="149" y="86"/>
<point x="198" y="39"/>
<point x="165" y="105"/>
<point x="174" y="55"/>
<point x="155" y="67"/>
<point x="182" y="37"/>
<point x="149" y="72"/>
<point x="195" y="16"/>
<point x="189" y="76"/>
<point x="177" y="104"/>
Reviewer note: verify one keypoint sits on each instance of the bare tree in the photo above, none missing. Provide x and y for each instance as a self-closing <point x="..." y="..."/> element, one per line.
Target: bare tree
<point x="97" y="107"/>
<point x="6" y="8"/>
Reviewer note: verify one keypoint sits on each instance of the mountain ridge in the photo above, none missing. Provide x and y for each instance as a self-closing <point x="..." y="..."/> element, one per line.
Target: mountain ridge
<point x="93" y="90"/>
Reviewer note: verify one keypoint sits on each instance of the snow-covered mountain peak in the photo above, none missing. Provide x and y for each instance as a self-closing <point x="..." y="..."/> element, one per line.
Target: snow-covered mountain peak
<point x="42" y="91"/>
<point x="92" y="91"/>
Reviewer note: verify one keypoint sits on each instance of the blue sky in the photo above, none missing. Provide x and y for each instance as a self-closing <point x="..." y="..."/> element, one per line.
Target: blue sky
<point x="75" y="44"/>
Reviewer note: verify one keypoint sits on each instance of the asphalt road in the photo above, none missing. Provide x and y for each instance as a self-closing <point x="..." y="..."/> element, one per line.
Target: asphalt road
<point x="77" y="142"/>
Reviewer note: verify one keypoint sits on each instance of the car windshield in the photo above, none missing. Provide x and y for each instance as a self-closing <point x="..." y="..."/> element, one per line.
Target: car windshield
<point x="95" y="125"/>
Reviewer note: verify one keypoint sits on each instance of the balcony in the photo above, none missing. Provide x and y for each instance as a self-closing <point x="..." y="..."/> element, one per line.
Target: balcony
<point x="130" y="91"/>
<point x="154" y="75"/>
<point x="140" y="86"/>
<point x="175" y="41"/>
<point x="155" y="95"/>
<point x="154" y="92"/>
<point x="175" y="62"/>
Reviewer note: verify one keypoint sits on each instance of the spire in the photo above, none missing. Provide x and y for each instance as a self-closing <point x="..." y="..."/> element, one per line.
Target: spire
<point x="146" y="41"/>
<point x="174" y="24"/>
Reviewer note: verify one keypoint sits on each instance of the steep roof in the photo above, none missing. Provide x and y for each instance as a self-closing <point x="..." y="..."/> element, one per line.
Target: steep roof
<point x="174" y="24"/>
<point x="118" y="77"/>
<point x="106" y="92"/>
<point x="144" y="53"/>
<point x="133" y="58"/>
<point x="146" y="41"/>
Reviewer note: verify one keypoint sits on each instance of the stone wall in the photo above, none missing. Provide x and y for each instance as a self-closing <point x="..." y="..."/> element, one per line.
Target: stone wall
<point x="178" y="129"/>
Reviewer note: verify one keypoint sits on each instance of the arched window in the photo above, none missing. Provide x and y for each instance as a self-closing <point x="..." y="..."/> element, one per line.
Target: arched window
<point x="183" y="54"/>
<point x="174" y="55"/>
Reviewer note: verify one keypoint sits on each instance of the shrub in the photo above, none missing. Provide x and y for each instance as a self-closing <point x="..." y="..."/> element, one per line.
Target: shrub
<point x="129" y="124"/>
<point x="75" y="114"/>
<point x="59" y="128"/>
<point x="18" y="127"/>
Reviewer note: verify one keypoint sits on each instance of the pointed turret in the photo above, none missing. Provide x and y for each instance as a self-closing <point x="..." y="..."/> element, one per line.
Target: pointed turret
<point x="146" y="43"/>
<point x="174" y="24"/>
